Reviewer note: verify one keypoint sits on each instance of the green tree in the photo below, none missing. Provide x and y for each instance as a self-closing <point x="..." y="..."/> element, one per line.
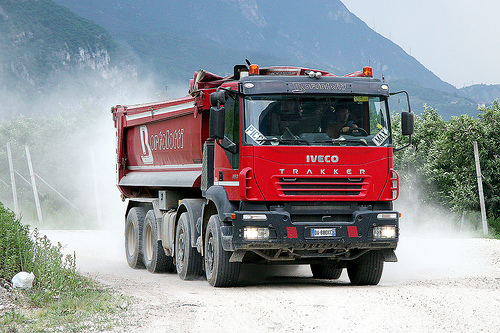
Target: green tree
<point x="411" y="162"/>
<point x="490" y="156"/>
<point x="450" y="164"/>
<point x="441" y="160"/>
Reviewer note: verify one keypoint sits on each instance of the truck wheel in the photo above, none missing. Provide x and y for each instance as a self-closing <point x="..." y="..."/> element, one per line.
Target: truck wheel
<point x="219" y="271"/>
<point x="328" y="271"/>
<point x="367" y="269"/>
<point x="133" y="236"/>
<point x="154" y="255"/>
<point x="187" y="258"/>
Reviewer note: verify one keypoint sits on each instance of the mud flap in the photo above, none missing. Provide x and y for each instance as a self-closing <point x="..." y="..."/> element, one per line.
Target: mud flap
<point x="389" y="255"/>
<point x="237" y="256"/>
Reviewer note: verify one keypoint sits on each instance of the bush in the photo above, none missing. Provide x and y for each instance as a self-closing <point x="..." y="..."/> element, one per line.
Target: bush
<point x="60" y="297"/>
<point x="494" y="226"/>
<point x="55" y="274"/>
<point x="16" y="246"/>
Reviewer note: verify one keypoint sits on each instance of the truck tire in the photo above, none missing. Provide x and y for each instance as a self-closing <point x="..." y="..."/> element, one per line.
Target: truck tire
<point x="329" y="271"/>
<point x="367" y="269"/>
<point x="133" y="236"/>
<point x="188" y="260"/>
<point x="154" y="256"/>
<point x="219" y="271"/>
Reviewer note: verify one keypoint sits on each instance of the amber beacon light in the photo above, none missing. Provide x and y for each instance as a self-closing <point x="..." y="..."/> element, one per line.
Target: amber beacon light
<point x="254" y="70"/>
<point x="368" y="71"/>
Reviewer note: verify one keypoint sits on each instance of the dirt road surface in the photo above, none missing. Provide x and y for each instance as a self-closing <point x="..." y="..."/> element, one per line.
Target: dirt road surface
<point x="438" y="285"/>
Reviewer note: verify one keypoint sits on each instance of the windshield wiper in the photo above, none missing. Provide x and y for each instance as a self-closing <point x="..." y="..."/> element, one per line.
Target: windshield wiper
<point x="360" y="142"/>
<point x="285" y="141"/>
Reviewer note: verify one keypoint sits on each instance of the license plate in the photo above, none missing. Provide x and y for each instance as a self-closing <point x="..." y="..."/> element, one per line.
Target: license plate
<point x="323" y="232"/>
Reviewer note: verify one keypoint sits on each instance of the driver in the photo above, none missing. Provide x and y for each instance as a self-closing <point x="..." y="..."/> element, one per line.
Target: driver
<point x="336" y="122"/>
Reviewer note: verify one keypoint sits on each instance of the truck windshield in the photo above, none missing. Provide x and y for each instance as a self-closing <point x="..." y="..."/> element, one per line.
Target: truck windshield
<point x="317" y="120"/>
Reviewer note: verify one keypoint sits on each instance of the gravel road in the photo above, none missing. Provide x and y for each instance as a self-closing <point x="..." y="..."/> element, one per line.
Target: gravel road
<point x="438" y="285"/>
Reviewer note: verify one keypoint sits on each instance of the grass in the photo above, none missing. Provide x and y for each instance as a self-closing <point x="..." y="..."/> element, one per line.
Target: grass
<point x="97" y="309"/>
<point x="61" y="299"/>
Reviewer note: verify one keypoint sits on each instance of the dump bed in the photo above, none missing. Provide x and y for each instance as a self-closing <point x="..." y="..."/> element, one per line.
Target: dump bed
<point x="160" y="145"/>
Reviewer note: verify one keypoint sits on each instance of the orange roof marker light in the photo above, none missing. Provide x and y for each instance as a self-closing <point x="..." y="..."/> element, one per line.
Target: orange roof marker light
<point x="368" y="71"/>
<point x="254" y="70"/>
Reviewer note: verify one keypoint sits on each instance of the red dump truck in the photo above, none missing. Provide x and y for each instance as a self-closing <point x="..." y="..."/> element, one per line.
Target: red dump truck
<point x="276" y="165"/>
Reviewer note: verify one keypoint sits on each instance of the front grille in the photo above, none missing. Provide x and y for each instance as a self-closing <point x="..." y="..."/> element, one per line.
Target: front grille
<point x="304" y="186"/>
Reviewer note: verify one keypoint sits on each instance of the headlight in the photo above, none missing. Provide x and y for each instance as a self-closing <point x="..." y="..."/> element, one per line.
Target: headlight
<point x="255" y="233"/>
<point x="384" y="232"/>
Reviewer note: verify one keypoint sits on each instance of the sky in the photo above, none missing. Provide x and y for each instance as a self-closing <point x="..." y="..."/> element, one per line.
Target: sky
<point x="455" y="39"/>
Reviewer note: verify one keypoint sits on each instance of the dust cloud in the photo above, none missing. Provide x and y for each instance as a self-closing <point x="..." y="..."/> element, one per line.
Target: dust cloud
<point x="97" y="178"/>
<point x="89" y="221"/>
<point x="80" y="162"/>
<point x="434" y="241"/>
<point x="65" y="118"/>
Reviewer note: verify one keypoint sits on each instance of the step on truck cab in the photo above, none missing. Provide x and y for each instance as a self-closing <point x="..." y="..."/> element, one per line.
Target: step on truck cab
<point x="277" y="165"/>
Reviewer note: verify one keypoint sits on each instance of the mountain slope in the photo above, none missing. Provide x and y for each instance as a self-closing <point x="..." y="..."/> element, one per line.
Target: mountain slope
<point x="482" y="93"/>
<point x="217" y="34"/>
<point x="446" y="104"/>
<point x="40" y="39"/>
<point x="45" y="48"/>
<point x="52" y="60"/>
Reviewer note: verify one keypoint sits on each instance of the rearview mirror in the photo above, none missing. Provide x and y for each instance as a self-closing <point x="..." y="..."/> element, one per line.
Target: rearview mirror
<point x="407" y="123"/>
<point x="217" y="122"/>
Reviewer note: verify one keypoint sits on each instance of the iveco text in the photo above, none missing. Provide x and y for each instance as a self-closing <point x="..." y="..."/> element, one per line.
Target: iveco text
<point x="322" y="158"/>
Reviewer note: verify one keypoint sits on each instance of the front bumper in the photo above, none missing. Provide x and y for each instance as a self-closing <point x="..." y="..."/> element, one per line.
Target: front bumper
<point x="356" y="232"/>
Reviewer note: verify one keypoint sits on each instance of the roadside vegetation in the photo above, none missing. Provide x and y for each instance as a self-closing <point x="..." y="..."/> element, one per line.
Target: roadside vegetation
<point x="440" y="165"/>
<point x="61" y="300"/>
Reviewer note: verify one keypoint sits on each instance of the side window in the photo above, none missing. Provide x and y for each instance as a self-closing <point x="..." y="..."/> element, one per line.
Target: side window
<point x="232" y="128"/>
<point x="377" y="115"/>
<point x="375" y="119"/>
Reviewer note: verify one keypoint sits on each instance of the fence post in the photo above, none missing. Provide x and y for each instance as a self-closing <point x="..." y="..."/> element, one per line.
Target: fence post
<point x="33" y="183"/>
<point x="480" y="189"/>
<point x="13" y="180"/>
